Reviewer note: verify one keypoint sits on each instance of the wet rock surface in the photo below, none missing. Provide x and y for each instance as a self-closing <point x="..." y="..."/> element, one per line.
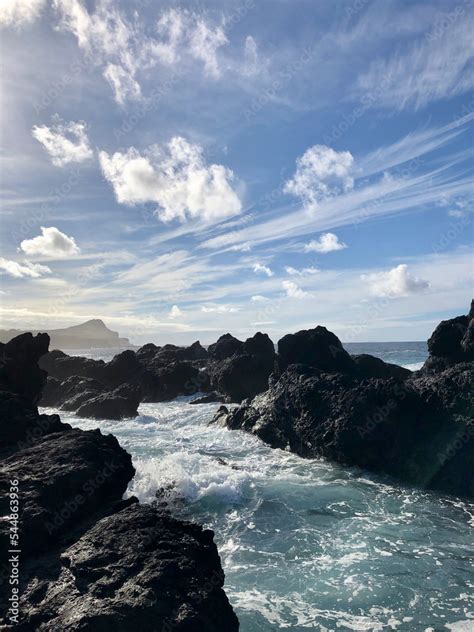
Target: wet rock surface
<point x="91" y="561"/>
<point x="361" y="411"/>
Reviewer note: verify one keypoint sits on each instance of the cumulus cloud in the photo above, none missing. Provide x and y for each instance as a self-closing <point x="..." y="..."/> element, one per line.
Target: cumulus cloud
<point x="176" y="177"/>
<point x="303" y="272"/>
<point x="51" y="243"/>
<point x="123" y="83"/>
<point x="21" y="270"/>
<point x="20" y="12"/>
<point x="293" y="290"/>
<point x="219" y="309"/>
<point x="260" y="268"/>
<point x="64" y="142"/>
<point x="321" y="173"/>
<point x="394" y="283"/>
<point x="175" y="312"/>
<point x="328" y="242"/>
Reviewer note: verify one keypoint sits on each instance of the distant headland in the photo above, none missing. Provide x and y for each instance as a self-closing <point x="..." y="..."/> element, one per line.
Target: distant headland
<point x="91" y="334"/>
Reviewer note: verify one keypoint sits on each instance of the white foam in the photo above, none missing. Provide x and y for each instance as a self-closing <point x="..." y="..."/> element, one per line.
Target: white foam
<point x="189" y="476"/>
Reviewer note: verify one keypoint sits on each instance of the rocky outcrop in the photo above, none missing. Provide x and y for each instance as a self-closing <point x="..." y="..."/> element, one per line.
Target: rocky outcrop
<point x="360" y="411"/>
<point x="316" y="347"/>
<point x="451" y="342"/>
<point x="245" y="373"/>
<point x="138" y="569"/>
<point x="121" y="403"/>
<point x="19" y="370"/>
<point x="91" y="561"/>
<point x="225" y="347"/>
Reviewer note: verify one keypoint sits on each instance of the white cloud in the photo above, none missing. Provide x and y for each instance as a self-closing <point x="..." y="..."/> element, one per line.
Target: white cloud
<point x="175" y="312"/>
<point x="293" y="290"/>
<point x="177" y="178"/>
<point x="219" y="309"/>
<point x="204" y="43"/>
<point x="439" y="66"/>
<point x="250" y="66"/>
<point x="260" y="268"/>
<point x="51" y="243"/>
<point x="396" y="282"/>
<point x="123" y="83"/>
<point x="19" y="12"/>
<point x="125" y="48"/>
<point x="21" y="270"/>
<point x="303" y="272"/>
<point x="328" y="242"/>
<point x="258" y="298"/>
<point x="64" y="142"/>
<point x="321" y="173"/>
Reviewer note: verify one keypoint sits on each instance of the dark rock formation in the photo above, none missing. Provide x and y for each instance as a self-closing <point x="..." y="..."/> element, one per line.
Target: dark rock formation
<point x="59" y="365"/>
<point x="57" y="393"/>
<point x="89" y="560"/>
<point x="451" y="342"/>
<point x="138" y="569"/>
<point x="360" y="411"/>
<point x="225" y="347"/>
<point x="65" y="477"/>
<point x="210" y="398"/>
<point x="121" y="403"/>
<point x="19" y="371"/>
<point x="316" y="347"/>
<point x="366" y="366"/>
<point x="245" y="373"/>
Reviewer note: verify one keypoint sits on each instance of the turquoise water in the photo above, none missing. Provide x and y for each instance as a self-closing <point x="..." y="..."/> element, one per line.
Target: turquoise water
<point x="305" y="544"/>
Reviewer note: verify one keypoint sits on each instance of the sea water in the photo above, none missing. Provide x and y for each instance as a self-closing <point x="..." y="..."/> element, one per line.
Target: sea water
<point x="306" y="544"/>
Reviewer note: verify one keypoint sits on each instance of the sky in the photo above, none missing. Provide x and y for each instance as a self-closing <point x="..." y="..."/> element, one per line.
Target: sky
<point x="185" y="169"/>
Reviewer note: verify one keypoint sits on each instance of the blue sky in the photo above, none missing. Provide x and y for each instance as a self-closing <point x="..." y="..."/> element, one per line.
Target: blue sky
<point x="183" y="169"/>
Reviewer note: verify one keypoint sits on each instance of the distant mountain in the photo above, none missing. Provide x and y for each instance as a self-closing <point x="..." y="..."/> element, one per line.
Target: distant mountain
<point x="91" y="334"/>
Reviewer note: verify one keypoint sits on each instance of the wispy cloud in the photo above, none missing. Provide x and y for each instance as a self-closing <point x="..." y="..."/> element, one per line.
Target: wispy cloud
<point x="438" y="66"/>
<point x="17" y="13"/>
<point x="64" y="142"/>
<point x="22" y="270"/>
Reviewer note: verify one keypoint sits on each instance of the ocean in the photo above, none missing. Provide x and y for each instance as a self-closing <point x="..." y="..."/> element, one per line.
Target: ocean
<point x="306" y="544"/>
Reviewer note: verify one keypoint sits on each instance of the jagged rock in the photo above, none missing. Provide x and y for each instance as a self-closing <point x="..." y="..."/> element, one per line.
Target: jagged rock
<point x="147" y="351"/>
<point x="65" y="477"/>
<point x="139" y="569"/>
<point x="225" y="347"/>
<point x="316" y="347"/>
<point x="175" y="379"/>
<point x="451" y="342"/>
<point x="242" y="376"/>
<point x="58" y="393"/>
<point x="21" y="425"/>
<point x="121" y="403"/>
<point x="366" y="366"/>
<point x="210" y="398"/>
<point x="245" y="373"/>
<point x="61" y="366"/>
<point x="383" y="425"/>
<point x="19" y="371"/>
<point x="123" y="368"/>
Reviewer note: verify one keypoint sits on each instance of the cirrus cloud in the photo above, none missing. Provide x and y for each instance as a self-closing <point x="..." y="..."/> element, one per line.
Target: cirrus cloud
<point x="19" y="12"/>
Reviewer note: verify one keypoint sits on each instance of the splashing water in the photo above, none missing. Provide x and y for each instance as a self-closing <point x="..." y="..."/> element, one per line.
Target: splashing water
<point x="305" y="544"/>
